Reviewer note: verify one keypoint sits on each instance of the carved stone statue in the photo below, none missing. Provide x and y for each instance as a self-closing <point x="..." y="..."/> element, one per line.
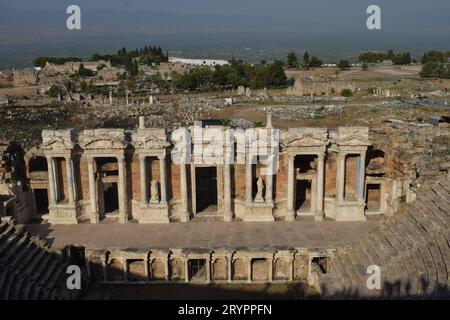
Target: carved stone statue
<point x="154" y="193"/>
<point x="260" y="191"/>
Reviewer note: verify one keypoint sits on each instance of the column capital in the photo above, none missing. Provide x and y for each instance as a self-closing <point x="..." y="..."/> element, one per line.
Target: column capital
<point x="120" y="158"/>
<point x="162" y="157"/>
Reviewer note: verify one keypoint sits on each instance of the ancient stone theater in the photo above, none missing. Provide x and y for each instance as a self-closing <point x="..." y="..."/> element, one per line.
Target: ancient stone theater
<point x="117" y="201"/>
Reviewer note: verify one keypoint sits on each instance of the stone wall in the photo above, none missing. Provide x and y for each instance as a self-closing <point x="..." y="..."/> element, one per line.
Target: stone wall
<point x="304" y="87"/>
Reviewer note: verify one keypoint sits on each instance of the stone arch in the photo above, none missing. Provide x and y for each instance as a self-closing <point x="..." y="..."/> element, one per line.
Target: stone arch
<point x="96" y="268"/>
<point x="281" y="269"/>
<point x="115" y="270"/>
<point x="219" y="270"/>
<point x="376" y="162"/>
<point x="158" y="269"/>
<point x="34" y="152"/>
<point x="136" y="270"/>
<point x="239" y="269"/>
<point x="37" y="164"/>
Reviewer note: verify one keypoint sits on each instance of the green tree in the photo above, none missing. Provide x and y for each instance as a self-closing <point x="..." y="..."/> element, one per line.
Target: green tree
<point x="83" y="72"/>
<point x="84" y="86"/>
<point x="371" y="57"/>
<point x="315" y="62"/>
<point x="344" y="64"/>
<point x="292" y="60"/>
<point x="346" y="93"/>
<point x="402" y="58"/>
<point x="54" y="91"/>
<point x="433" y="56"/>
<point x="306" y="59"/>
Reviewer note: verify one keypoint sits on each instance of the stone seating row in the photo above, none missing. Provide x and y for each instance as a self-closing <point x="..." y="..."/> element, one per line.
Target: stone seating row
<point x="412" y="250"/>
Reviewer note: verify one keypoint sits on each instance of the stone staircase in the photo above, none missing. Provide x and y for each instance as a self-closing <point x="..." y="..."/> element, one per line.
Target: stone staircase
<point x="412" y="249"/>
<point x="28" y="270"/>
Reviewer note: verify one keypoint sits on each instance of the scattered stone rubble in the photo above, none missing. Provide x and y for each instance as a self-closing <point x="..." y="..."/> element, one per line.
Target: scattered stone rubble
<point x="294" y="112"/>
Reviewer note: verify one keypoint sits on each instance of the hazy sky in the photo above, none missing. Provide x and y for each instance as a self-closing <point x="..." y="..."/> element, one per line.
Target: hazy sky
<point x="409" y="24"/>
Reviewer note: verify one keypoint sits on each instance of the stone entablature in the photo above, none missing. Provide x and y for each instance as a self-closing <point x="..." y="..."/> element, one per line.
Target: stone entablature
<point x="152" y="188"/>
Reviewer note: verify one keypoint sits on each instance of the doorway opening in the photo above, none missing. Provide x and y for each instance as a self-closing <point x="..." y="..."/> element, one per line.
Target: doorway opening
<point x="373" y="195"/>
<point x="206" y="189"/>
<point x="303" y="196"/>
<point x="111" y="198"/>
<point x="41" y="200"/>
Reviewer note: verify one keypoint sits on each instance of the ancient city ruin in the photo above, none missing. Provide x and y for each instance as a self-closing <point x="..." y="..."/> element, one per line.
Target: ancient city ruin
<point x="358" y="179"/>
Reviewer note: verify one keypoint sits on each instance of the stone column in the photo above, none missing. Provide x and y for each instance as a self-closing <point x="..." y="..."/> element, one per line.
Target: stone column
<point x="167" y="268"/>
<point x="184" y="193"/>
<point x="70" y="180"/>
<point x="208" y="269"/>
<point x="56" y="180"/>
<point x="74" y="184"/>
<point x="291" y="269"/>
<point x="143" y="171"/>
<point x="340" y="178"/>
<point x="249" y="270"/>
<point x="125" y="269"/>
<point x="248" y="181"/>
<point x="105" y="270"/>
<point x="92" y="191"/>
<point x="51" y="181"/>
<point x="290" y="214"/>
<point x="320" y="183"/>
<point x="122" y="190"/>
<point x="163" y="178"/>
<point x="146" y="269"/>
<point x="228" y="214"/>
<point x="270" y="269"/>
<point x="186" y="270"/>
<point x="361" y="176"/>
<point x="269" y="189"/>
<point x="229" y="265"/>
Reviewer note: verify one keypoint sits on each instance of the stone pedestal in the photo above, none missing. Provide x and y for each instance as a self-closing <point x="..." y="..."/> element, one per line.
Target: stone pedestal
<point x="259" y="212"/>
<point x="154" y="213"/>
<point x="64" y="214"/>
<point x="349" y="211"/>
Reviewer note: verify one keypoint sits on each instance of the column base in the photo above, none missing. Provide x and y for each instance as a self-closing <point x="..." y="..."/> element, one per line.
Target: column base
<point x="185" y="216"/>
<point x="316" y="216"/>
<point x="94" y="218"/>
<point x="290" y="215"/>
<point x="228" y="216"/>
<point x="123" y="219"/>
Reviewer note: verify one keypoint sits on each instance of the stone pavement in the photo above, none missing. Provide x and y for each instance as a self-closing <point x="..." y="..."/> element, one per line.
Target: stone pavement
<point x="251" y="235"/>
